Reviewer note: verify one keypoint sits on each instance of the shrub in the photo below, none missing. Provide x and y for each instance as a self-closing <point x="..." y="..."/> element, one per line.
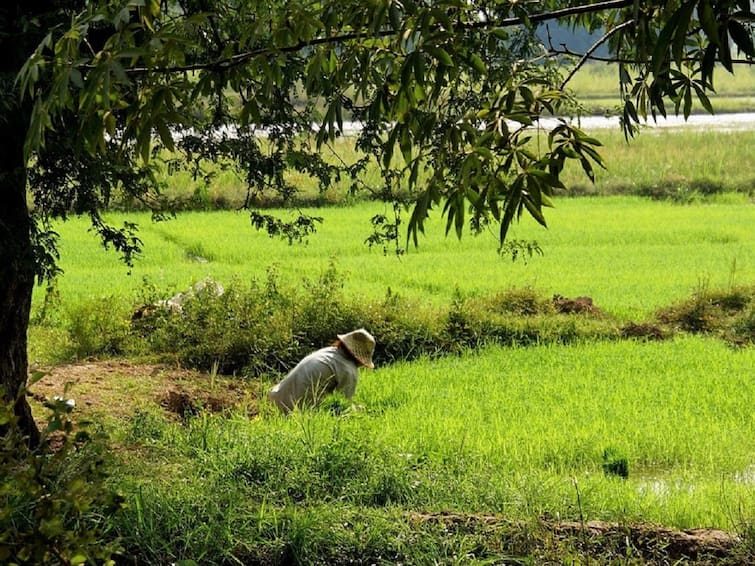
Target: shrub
<point x="240" y="329"/>
<point x="321" y="311"/>
<point x="728" y="313"/>
<point x="98" y="326"/>
<point x="55" y="506"/>
<point x="743" y="327"/>
<point x="264" y="328"/>
<point x="404" y="329"/>
<point x="520" y="302"/>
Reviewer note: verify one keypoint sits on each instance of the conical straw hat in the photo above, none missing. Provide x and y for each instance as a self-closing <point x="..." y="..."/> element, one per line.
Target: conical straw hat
<point x="361" y="344"/>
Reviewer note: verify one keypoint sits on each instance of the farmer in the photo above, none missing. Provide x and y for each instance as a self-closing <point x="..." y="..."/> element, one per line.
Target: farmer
<point x="325" y="371"/>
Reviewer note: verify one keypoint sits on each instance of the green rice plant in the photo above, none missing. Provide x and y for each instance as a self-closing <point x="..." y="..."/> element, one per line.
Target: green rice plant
<point x="658" y="432"/>
<point x="615" y="464"/>
<point x="683" y="165"/>
<point x="594" y="246"/>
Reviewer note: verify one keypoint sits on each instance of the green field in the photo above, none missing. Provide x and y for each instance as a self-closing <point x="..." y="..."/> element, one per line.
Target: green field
<point x="597" y="87"/>
<point x="469" y="457"/>
<point x="631" y="255"/>
<point x="520" y="433"/>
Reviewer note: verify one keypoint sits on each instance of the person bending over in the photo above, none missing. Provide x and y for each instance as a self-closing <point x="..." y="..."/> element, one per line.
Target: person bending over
<point x="334" y="368"/>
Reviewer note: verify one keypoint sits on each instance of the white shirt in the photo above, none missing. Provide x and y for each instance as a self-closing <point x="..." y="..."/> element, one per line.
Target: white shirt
<point x="315" y="376"/>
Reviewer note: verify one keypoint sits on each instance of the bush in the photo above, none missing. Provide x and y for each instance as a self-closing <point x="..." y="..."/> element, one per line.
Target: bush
<point x="404" y="329"/>
<point x="98" y="326"/>
<point x="321" y="312"/>
<point x="55" y="506"/>
<point x="726" y="313"/>
<point x="240" y="329"/>
<point x="265" y="328"/>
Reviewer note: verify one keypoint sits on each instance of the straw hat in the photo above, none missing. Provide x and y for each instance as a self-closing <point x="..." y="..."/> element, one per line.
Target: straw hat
<point x="361" y="344"/>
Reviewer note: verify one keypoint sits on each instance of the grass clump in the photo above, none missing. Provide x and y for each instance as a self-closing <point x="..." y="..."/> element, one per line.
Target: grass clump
<point x="726" y="313"/>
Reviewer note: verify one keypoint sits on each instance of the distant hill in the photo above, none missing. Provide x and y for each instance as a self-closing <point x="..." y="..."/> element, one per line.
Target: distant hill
<point x="578" y="41"/>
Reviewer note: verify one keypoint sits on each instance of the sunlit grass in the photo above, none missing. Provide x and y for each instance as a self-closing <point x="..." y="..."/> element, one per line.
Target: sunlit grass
<point x="664" y="162"/>
<point x="631" y="255"/>
<point x="517" y="432"/>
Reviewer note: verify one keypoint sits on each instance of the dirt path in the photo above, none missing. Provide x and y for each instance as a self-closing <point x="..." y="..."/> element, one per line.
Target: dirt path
<point x="115" y="389"/>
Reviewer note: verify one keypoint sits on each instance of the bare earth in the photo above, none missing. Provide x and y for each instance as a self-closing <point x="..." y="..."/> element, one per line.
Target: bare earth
<point x="115" y="389"/>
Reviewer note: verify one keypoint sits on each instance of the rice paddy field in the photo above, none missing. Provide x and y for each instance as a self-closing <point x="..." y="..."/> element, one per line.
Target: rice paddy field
<point x="631" y="255"/>
<point x="625" y="431"/>
<point x="529" y="434"/>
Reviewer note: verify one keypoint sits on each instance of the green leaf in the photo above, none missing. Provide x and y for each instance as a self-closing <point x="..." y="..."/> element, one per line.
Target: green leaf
<point x="708" y="64"/>
<point x="587" y="168"/>
<point x="742" y="37"/>
<point x="165" y="136"/>
<point x="395" y="16"/>
<point x="513" y="200"/>
<point x="417" y="219"/>
<point x="440" y="54"/>
<point x="108" y="122"/>
<point x="724" y="53"/>
<point x="535" y="212"/>
<point x="418" y="63"/>
<point x="405" y="144"/>
<point x="702" y="97"/>
<point x="708" y="21"/>
<point x="478" y="63"/>
<point x="339" y="114"/>
<point x="685" y="15"/>
<point x="662" y="43"/>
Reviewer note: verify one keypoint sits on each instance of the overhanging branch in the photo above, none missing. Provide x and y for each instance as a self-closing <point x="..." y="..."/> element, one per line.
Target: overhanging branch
<point x="241" y="58"/>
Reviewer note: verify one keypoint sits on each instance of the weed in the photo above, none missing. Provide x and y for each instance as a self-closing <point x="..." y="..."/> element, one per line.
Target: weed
<point x="145" y="427"/>
<point x="615" y="464"/>
<point x="98" y="326"/>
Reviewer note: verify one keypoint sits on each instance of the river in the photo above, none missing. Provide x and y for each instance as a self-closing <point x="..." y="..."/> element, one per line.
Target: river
<point x="720" y="122"/>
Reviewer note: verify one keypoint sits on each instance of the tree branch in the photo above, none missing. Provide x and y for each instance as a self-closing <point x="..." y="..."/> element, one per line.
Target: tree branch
<point x="241" y="58"/>
<point x="589" y="52"/>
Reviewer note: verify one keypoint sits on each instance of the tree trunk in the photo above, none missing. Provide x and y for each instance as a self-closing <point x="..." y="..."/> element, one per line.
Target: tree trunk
<point x="16" y="274"/>
<point x="17" y="258"/>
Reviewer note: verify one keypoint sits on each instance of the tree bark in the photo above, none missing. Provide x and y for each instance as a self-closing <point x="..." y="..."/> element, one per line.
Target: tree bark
<point x="17" y="257"/>
<point x="16" y="272"/>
